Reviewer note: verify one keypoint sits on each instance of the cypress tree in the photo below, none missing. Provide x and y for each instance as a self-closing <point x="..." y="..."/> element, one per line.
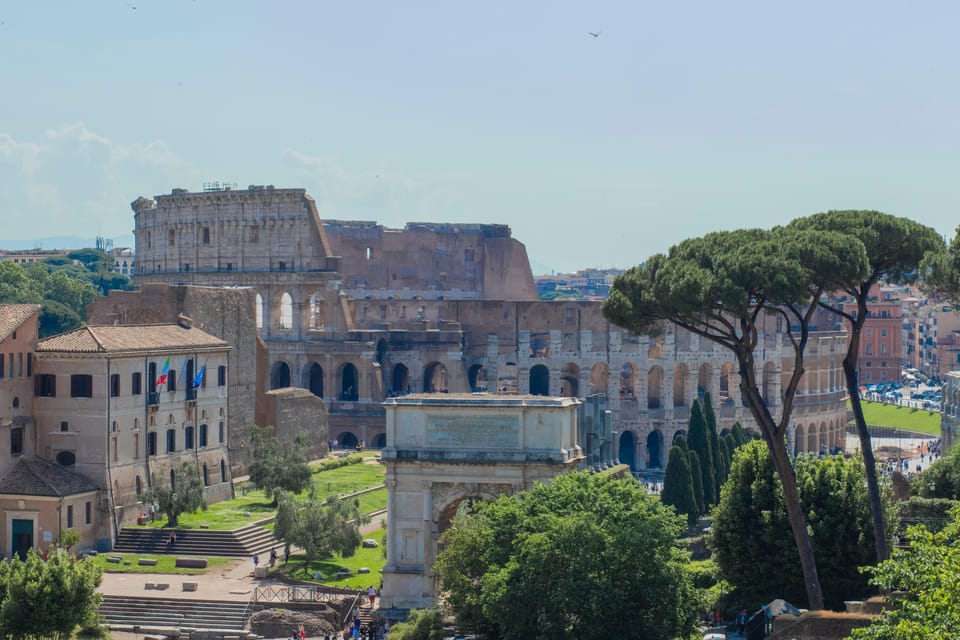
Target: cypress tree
<point x="698" y="440"/>
<point x="696" y="476"/>
<point x="740" y="436"/>
<point x="678" y="484"/>
<point x="718" y="471"/>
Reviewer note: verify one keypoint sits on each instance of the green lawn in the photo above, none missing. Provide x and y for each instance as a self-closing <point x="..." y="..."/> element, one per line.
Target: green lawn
<point x="325" y="571"/>
<point x="348" y="479"/>
<point x="165" y="564"/>
<point x="229" y="514"/>
<point x="891" y="415"/>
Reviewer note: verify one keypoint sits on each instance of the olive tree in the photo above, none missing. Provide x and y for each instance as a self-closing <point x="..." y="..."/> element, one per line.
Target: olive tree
<point x="895" y="249"/>
<point x="184" y="495"/>
<point x="731" y="288"/>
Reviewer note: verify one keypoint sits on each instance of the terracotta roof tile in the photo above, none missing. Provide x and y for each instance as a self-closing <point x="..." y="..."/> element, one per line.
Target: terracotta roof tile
<point x="14" y="315"/>
<point x="120" y="338"/>
<point x="37" y="477"/>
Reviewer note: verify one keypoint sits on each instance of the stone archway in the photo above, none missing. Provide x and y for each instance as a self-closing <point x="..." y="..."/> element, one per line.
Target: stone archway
<point x="539" y="380"/>
<point x="442" y="450"/>
<point x="627" y="452"/>
<point x="280" y="375"/>
<point x="654" y="450"/>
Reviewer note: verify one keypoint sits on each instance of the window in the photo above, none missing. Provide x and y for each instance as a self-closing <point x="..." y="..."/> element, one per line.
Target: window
<point x="203" y="435"/>
<point x="206" y="235"/>
<point x="16" y="402"/>
<point x="136" y="381"/>
<point x="254" y="234"/>
<point x="1" y="366"/>
<point x="883" y="348"/>
<point x="220" y="432"/>
<point x="172" y="380"/>
<point x="64" y="426"/>
<point x="19" y="365"/>
<point x="81" y="385"/>
<point x="29" y="365"/>
<point x="869" y="349"/>
<point x="115" y="449"/>
<point x="172" y="237"/>
<point x="369" y="253"/>
<point x="45" y="385"/>
<point x="221" y="376"/>
<point x="281" y="266"/>
<point x="139" y="486"/>
<point x="16" y="441"/>
<point x="869" y="332"/>
<point x="883" y="332"/>
<point x="171" y="440"/>
<point x="87" y="512"/>
<point x="114" y="385"/>
<point x="136" y="445"/>
<point x="188" y="438"/>
<point x="152" y="443"/>
<point x="69" y="516"/>
<point x="10" y="368"/>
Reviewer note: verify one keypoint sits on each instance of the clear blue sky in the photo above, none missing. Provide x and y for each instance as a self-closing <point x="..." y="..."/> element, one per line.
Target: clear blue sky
<point x="679" y="119"/>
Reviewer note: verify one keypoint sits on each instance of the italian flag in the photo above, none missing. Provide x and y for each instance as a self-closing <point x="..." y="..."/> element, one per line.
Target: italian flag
<point x="163" y="374"/>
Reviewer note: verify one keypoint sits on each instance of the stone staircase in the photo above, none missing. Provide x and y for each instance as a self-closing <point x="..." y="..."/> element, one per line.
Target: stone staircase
<point x="123" y="613"/>
<point x="243" y="542"/>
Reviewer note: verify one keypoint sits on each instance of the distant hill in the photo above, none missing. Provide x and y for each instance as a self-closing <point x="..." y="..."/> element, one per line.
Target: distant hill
<point x="63" y="242"/>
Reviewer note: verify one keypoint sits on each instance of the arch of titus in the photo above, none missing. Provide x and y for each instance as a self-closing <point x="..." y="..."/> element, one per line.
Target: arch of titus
<point x="443" y="449"/>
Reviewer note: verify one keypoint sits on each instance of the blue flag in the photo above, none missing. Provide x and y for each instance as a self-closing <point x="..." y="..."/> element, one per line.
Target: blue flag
<point x="198" y="379"/>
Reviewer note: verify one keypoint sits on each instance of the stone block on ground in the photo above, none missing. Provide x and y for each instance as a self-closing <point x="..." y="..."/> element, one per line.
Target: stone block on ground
<point x="190" y="586"/>
<point x="370" y="543"/>
<point x="147" y="562"/>
<point x="191" y="563"/>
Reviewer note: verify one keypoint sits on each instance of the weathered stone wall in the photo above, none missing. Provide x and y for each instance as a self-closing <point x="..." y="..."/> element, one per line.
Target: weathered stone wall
<point x="818" y="625"/>
<point x="456" y="261"/>
<point x="294" y="411"/>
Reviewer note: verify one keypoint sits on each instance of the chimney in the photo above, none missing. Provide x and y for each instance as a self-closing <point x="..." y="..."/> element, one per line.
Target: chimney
<point x="184" y="321"/>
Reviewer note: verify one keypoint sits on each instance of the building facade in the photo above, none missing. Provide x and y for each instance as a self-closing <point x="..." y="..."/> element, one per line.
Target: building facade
<point x="125" y="406"/>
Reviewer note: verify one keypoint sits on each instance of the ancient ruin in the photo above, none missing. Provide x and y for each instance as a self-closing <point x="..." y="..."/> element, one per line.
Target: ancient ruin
<point x="357" y="313"/>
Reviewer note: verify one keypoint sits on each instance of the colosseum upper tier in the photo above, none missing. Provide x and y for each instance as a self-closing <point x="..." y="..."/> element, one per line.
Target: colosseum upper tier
<point x="356" y="312"/>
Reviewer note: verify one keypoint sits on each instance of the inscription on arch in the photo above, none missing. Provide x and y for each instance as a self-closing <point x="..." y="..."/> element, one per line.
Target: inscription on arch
<point x="459" y="431"/>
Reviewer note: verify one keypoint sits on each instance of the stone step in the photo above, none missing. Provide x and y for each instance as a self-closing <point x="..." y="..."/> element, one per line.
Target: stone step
<point x="128" y="611"/>
<point x="246" y="541"/>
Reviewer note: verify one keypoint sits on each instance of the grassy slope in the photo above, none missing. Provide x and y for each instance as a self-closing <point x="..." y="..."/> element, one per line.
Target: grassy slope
<point x="229" y="514"/>
<point x="889" y="415"/>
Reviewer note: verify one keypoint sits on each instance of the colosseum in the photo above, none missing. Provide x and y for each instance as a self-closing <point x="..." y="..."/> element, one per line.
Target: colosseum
<point x="356" y="313"/>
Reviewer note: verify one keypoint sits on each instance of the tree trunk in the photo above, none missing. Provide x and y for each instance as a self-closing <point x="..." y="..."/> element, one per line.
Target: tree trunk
<point x="777" y="445"/>
<point x="869" y="462"/>
<point x="798" y="522"/>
